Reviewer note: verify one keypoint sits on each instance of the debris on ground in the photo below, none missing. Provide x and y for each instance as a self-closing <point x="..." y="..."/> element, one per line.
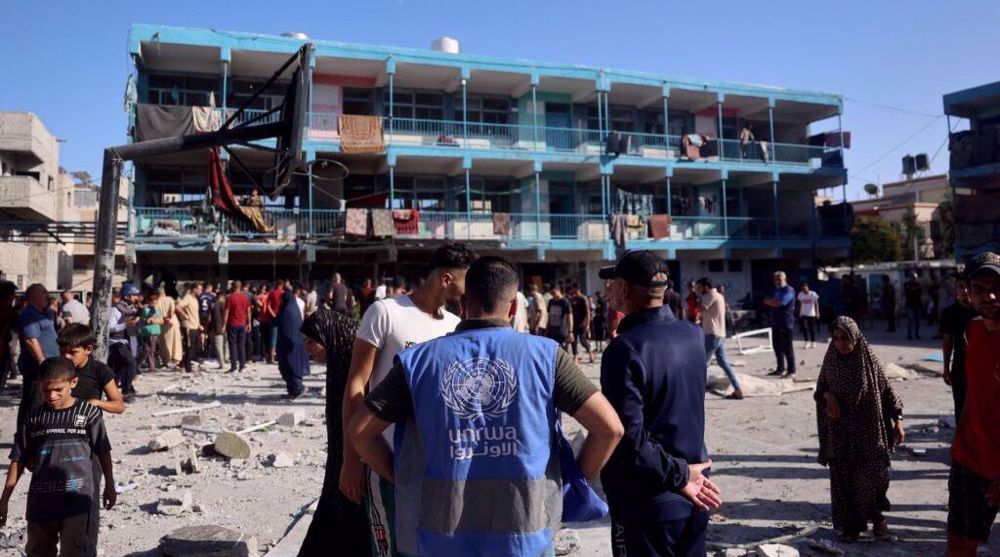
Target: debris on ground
<point x="947" y="422"/>
<point x="825" y="546"/>
<point x="776" y="550"/>
<point x="281" y="460"/>
<point x="166" y="440"/>
<point x="896" y="372"/>
<point x="173" y="506"/>
<point x="566" y="542"/>
<point x="187" y="409"/>
<point x="292" y="419"/>
<point x="207" y="541"/>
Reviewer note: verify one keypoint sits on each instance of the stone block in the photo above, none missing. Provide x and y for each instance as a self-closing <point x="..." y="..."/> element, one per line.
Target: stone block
<point x="167" y="440"/>
<point x="207" y="541"/>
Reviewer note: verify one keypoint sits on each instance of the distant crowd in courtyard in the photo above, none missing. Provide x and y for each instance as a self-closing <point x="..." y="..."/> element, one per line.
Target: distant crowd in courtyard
<point x="454" y="384"/>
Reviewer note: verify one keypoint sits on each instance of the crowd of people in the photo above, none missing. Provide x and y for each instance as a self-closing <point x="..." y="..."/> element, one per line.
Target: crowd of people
<point x="443" y="401"/>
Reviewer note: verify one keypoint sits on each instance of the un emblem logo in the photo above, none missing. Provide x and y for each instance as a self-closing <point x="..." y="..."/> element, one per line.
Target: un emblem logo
<point x="479" y="387"/>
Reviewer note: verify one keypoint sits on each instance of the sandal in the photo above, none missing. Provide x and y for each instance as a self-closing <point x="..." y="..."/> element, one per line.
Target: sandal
<point x="735" y="395"/>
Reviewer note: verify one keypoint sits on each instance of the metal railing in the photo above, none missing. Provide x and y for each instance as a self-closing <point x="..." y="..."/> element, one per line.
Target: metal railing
<point x="289" y="225"/>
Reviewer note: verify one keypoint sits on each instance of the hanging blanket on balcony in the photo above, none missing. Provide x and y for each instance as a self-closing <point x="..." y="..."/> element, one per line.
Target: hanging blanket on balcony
<point x="406" y="221"/>
<point x="357" y="222"/>
<point x="361" y="134"/>
<point x="155" y="121"/>
<point x="618" y="224"/>
<point x="501" y="224"/>
<point x="206" y="118"/>
<point x="225" y="200"/>
<point x="382" y="223"/>
<point x="659" y="226"/>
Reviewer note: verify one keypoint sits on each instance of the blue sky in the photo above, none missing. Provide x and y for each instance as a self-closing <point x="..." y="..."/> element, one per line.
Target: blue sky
<point x="67" y="61"/>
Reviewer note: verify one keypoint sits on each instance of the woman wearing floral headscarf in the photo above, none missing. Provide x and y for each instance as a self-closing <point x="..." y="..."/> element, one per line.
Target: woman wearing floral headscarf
<point x="860" y="419"/>
<point x="340" y="526"/>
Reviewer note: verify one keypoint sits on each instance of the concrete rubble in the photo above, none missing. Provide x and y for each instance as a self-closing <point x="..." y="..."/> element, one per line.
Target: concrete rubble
<point x="776" y="550"/>
<point x="292" y="419"/>
<point x="566" y="542"/>
<point x="173" y="506"/>
<point x="281" y="460"/>
<point x="167" y="440"/>
<point x="207" y="541"/>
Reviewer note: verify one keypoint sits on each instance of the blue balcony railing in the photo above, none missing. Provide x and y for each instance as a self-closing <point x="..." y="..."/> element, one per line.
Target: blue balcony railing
<point x="158" y="224"/>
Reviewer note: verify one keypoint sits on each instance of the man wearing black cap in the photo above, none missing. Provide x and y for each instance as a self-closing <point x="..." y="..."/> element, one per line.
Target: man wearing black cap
<point x="653" y="374"/>
<point x="974" y="483"/>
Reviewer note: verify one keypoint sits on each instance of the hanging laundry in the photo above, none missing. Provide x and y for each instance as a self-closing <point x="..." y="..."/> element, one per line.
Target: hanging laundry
<point x="501" y="224"/>
<point x="156" y="121"/>
<point x="618" y="225"/>
<point x="361" y="134"/>
<point x="382" y="224"/>
<point x="357" y="222"/>
<point x="251" y="210"/>
<point x="406" y="221"/>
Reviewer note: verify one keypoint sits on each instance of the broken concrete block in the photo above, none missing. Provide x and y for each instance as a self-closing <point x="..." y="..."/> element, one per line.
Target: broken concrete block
<point x="232" y="445"/>
<point x="190" y="464"/>
<point x="566" y="542"/>
<point x="207" y="541"/>
<point x="281" y="460"/>
<point x="191" y="420"/>
<point x="292" y="419"/>
<point x="776" y="550"/>
<point x="734" y="552"/>
<point x="167" y="440"/>
<point x="174" y="505"/>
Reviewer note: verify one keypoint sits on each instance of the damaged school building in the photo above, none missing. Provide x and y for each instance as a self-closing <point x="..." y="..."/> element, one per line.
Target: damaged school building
<point x="555" y="166"/>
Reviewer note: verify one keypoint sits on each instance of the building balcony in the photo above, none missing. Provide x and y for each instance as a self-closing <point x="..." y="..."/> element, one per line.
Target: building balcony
<point x="156" y="225"/>
<point x="455" y="134"/>
<point x="975" y="153"/>
<point x="26" y="198"/>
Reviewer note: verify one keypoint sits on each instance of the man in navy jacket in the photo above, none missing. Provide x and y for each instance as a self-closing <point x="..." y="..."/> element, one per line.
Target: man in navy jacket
<point x="653" y="374"/>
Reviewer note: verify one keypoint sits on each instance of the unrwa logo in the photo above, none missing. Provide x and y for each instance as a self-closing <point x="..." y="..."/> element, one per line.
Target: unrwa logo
<point x="479" y="387"/>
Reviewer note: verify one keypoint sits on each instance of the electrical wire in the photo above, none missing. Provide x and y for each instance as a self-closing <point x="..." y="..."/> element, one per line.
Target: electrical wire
<point x="893" y="108"/>
<point x="900" y="144"/>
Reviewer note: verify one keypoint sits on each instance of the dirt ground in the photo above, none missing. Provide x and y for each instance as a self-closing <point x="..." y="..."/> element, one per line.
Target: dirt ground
<point x="764" y="450"/>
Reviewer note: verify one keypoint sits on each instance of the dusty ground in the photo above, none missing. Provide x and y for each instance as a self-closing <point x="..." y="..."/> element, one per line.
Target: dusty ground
<point x="764" y="451"/>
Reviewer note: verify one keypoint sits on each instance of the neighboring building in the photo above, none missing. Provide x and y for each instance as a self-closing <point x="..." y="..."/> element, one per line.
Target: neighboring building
<point x="921" y="196"/>
<point x="46" y="235"/>
<point x="975" y="168"/>
<point x="504" y="153"/>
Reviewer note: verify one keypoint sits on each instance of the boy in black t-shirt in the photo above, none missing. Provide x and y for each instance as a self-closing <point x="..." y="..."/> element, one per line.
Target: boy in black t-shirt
<point x="59" y="443"/>
<point x="94" y="378"/>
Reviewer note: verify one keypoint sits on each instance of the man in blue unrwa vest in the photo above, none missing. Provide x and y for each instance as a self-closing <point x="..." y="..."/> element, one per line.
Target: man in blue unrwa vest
<point x="485" y="401"/>
<point x="653" y="374"/>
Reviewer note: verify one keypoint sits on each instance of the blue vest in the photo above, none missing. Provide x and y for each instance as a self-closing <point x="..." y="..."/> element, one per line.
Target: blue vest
<point x="483" y="406"/>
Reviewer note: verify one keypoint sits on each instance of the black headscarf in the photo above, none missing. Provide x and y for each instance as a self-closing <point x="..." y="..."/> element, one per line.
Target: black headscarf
<point x="338" y="522"/>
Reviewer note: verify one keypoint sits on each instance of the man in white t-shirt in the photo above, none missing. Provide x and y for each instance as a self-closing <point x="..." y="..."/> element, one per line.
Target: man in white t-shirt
<point x="808" y="313"/>
<point x="388" y="327"/>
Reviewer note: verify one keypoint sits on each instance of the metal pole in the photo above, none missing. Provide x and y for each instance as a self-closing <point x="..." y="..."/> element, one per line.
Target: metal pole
<point x="666" y="125"/>
<point x="104" y="262"/>
<point x="722" y="147"/>
<point x="669" y="198"/>
<point x="465" y="115"/>
<point x="534" y="116"/>
<point x="774" y="144"/>
<point x="847" y="226"/>
<point x="774" y="192"/>
<point x="468" y="203"/>
<point x="600" y="119"/>
<point x="538" y="206"/>
<point x="392" y="185"/>
<point x="310" y="201"/>
<point x="725" y="212"/>
<point x="392" y="102"/>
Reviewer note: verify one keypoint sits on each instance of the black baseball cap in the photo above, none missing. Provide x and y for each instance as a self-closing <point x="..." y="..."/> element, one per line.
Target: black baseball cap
<point x="986" y="262"/>
<point x="637" y="267"/>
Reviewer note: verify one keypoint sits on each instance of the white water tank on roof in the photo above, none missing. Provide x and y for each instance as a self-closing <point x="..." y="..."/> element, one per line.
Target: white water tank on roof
<point x="445" y="44"/>
<point x="295" y="35"/>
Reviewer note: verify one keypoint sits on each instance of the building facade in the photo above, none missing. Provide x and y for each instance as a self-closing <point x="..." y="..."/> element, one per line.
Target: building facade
<point x="47" y="216"/>
<point x="917" y="198"/>
<point x="975" y="167"/>
<point x="510" y="155"/>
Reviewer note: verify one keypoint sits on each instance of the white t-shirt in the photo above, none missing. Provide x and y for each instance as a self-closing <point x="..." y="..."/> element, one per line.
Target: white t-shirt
<point x="394" y="324"/>
<point x="302" y="306"/>
<point x="809" y="302"/>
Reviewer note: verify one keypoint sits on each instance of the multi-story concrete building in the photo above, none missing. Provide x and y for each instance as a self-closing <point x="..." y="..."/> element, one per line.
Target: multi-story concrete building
<point x="921" y="197"/>
<point x="47" y="217"/>
<point x="975" y="167"/>
<point x="508" y="154"/>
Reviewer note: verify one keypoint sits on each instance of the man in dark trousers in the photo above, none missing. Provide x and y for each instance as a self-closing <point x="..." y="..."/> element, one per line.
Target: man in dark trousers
<point x="954" y="322"/>
<point x="781" y="304"/>
<point x="653" y="374"/>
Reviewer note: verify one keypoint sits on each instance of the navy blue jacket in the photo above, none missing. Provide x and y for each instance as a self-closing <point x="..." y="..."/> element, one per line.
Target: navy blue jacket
<point x="654" y="376"/>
